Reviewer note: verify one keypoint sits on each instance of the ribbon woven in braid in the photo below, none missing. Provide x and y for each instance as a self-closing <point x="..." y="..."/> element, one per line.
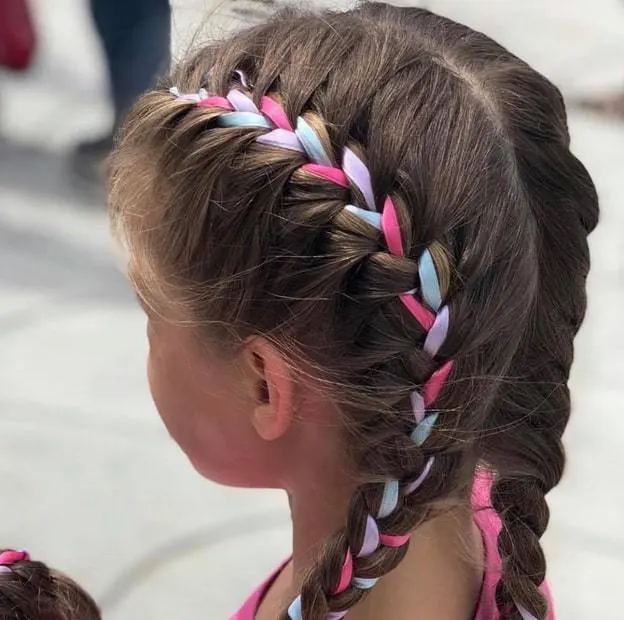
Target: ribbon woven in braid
<point x="10" y="557"/>
<point x="424" y="303"/>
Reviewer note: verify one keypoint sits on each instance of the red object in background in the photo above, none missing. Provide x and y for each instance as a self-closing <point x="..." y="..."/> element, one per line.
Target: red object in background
<point x="18" y="39"/>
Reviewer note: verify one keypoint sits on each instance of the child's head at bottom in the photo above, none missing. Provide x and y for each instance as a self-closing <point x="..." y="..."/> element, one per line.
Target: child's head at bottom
<point x="360" y="239"/>
<point x="29" y="590"/>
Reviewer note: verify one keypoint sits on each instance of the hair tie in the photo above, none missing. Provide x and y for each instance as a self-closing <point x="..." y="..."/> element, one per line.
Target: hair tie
<point x="10" y="557"/>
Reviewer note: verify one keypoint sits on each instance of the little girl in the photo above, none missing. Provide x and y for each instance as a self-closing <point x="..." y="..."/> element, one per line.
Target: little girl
<point x="361" y="243"/>
<point x="30" y="590"/>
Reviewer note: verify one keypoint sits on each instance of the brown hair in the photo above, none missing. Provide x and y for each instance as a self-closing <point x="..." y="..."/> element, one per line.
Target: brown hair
<point x="32" y="591"/>
<point x="472" y="145"/>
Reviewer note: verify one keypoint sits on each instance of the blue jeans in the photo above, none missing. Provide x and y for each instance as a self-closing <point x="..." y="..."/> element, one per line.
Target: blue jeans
<point x="136" y="37"/>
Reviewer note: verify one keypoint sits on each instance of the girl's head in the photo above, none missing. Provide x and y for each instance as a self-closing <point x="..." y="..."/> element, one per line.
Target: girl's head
<point x="360" y="239"/>
<point x="31" y="591"/>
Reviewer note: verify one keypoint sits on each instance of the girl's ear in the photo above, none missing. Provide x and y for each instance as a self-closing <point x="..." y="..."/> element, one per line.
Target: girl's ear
<point x="272" y="388"/>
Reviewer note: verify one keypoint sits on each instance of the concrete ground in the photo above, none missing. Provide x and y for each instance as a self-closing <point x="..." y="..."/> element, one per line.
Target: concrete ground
<point x="90" y="482"/>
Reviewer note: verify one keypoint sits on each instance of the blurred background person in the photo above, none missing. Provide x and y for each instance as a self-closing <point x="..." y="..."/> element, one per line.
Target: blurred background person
<point x="17" y="35"/>
<point x="608" y="104"/>
<point x="136" y="39"/>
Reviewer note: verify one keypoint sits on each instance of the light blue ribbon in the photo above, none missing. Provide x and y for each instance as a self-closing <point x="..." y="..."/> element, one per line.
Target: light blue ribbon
<point x="243" y="119"/>
<point x="294" y="611"/>
<point x="421" y="433"/>
<point x="429" y="283"/>
<point x="311" y="143"/>
<point x="364" y="584"/>
<point x="370" y="217"/>
<point x="390" y="498"/>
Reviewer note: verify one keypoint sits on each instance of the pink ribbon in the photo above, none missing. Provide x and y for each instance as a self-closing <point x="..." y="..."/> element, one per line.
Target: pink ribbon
<point x="329" y="173"/>
<point x="346" y="575"/>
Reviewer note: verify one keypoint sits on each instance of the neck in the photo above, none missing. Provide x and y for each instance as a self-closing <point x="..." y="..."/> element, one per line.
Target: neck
<point x="445" y="554"/>
<point x="316" y="516"/>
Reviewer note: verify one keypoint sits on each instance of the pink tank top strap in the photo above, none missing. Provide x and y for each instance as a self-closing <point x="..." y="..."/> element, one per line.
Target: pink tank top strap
<point x="249" y="609"/>
<point x="490" y="525"/>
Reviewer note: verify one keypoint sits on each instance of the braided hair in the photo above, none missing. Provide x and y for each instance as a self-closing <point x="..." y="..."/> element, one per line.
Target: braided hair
<point x="389" y="196"/>
<point x="29" y="590"/>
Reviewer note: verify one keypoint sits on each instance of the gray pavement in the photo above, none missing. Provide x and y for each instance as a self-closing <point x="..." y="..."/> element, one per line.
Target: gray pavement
<point x="89" y="480"/>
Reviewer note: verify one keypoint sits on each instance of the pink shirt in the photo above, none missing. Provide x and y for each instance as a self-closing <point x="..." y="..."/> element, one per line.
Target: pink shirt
<point x="490" y="525"/>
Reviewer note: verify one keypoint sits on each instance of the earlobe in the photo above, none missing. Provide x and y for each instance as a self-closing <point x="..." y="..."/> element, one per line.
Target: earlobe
<point x="273" y="389"/>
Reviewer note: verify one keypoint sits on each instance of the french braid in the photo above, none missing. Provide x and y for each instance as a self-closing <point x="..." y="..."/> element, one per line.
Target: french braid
<point x="534" y="409"/>
<point x="363" y="538"/>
